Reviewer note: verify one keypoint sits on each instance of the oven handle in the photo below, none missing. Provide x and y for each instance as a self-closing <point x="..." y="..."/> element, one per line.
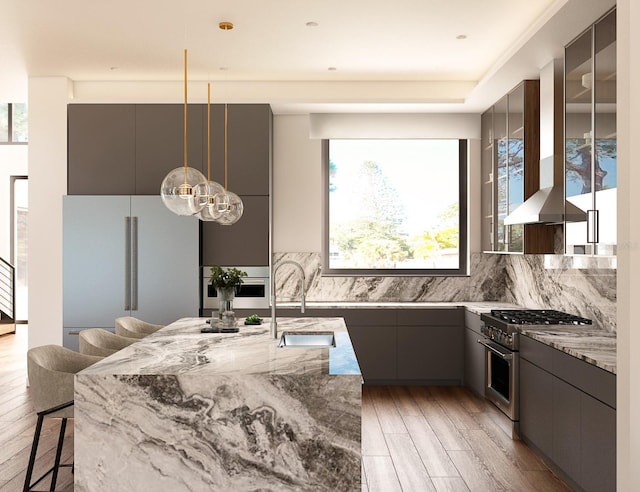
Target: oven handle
<point x="495" y="348"/>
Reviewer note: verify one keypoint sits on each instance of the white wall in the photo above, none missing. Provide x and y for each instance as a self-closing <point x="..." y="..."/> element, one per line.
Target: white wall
<point x="297" y="186"/>
<point x="13" y="162"/>
<point x="628" y="394"/>
<point x="48" y="97"/>
<point x="297" y="159"/>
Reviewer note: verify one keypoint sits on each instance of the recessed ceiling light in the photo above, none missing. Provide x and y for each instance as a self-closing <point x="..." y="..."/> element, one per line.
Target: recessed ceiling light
<point x="224" y="69"/>
<point x="311" y="24"/>
<point x="225" y="25"/>
<point x="332" y="69"/>
<point x="461" y="36"/>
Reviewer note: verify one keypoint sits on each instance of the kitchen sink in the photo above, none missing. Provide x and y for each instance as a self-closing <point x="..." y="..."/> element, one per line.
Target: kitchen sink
<point x="307" y="339"/>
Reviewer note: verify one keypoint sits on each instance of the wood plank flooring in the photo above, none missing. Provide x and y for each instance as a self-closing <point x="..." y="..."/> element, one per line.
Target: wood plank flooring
<point x="414" y="438"/>
<point x="443" y="438"/>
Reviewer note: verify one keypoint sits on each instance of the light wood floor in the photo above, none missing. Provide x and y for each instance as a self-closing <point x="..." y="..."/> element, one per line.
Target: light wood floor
<point x="414" y="438"/>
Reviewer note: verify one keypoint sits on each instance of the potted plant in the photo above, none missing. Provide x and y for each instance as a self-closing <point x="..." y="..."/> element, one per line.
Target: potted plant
<point x="226" y="281"/>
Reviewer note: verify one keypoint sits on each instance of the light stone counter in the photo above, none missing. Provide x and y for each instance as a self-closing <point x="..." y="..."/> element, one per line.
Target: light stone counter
<point x="477" y="307"/>
<point x="182" y="410"/>
<point x="588" y="343"/>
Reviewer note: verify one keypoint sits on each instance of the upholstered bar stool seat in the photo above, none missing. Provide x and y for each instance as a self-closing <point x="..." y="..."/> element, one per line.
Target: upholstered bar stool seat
<point x="128" y="326"/>
<point x="51" y="370"/>
<point x="103" y="343"/>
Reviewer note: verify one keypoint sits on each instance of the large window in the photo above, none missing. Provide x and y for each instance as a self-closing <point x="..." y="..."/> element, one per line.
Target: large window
<point x="395" y="207"/>
<point x="13" y="123"/>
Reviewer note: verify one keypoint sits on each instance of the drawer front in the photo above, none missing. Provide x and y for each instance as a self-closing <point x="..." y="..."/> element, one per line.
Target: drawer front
<point x="591" y="379"/>
<point x="431" y="317"/>
<point x="536" y="352"/>
<point x="472" y="321"/>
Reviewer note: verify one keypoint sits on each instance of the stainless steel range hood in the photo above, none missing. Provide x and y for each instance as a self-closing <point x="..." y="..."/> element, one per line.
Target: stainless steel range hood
<point x="547" y="205"/>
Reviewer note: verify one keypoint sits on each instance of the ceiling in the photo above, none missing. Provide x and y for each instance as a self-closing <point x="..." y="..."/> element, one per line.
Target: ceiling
<point x="356" y="55"/>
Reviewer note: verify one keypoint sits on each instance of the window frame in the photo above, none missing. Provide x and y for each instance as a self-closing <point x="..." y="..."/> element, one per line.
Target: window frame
<point x="461" y="271"/>
<point x="10" y="140"/>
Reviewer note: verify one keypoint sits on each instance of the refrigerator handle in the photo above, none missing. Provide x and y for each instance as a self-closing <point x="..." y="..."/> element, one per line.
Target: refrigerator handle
<point x="134" y="264"/>
<point x="127" y="263"/>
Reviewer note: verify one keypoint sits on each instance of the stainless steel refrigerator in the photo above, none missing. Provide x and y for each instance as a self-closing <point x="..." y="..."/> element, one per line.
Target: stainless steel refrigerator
<point x="126" y="256"/>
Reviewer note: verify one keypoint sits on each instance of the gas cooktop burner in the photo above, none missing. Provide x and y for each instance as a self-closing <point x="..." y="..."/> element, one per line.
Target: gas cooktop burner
<point x="538" y="317"/>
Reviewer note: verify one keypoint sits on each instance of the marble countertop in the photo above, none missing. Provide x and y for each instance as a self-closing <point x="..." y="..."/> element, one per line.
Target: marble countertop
<point x="477" y="307"/>
<point x="589" y="343"/>
<point x="180" y="348"/>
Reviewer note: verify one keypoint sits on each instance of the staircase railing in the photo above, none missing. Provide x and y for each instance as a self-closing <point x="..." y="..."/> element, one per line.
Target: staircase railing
<point x="7" y="291"/>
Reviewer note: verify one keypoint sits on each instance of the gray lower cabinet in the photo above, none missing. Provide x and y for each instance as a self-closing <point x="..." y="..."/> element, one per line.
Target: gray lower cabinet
<point x="376" y="351"/>
<point x="474" y="355"/>
<point x="567" y="411"/>
<point x="430" y="346"/>
<point x="127" y="256"/>
<point x="401" y="346"/>
<point x="566" y="428"/>
<point x="536" y="406"/>
<point x="430" y="354"/>
<point x="598" y="449"/>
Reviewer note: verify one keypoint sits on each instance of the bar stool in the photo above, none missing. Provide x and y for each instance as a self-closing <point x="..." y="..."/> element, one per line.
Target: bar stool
<point x="51" y="370"/>
<point x="128" y="326"/>
<point x="103" y="343"/>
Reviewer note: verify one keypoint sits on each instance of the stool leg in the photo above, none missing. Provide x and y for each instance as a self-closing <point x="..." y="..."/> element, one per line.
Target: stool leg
<point x="32" y="456"/>
<point x="56" y="466"/>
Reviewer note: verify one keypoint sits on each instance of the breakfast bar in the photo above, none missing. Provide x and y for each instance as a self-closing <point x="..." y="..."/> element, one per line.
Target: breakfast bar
<point x="182" y="410"/>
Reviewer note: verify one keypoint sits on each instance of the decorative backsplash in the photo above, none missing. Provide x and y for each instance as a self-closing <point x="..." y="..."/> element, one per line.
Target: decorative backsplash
<point x="586" y="286"/>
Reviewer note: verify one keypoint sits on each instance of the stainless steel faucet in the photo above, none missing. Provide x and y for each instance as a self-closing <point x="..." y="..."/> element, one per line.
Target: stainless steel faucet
<point x="274" y="324"/>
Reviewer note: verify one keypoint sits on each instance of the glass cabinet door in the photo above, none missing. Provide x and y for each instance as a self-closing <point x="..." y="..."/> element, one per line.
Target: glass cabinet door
<point x="515" y="165"/>
<point x="578" y="136"/>
<point x="501" y="175"/>
<point x="590" y="138"/>
<point x="488" y="229"/>
<point x="605" y="175"/>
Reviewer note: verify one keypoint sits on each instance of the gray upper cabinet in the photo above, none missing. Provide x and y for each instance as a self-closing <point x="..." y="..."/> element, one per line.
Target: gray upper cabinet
<point x="244" y="243"/>
<point x="249" y="137"/>
<point x="250" y="128"/>
<point x="102" y="149"/>
<point x="127" y="149"/>
<point x="159" y="137"/>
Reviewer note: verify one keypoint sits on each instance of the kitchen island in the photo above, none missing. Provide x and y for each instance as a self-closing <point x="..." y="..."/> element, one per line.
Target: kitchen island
<point x="182" y="410"/>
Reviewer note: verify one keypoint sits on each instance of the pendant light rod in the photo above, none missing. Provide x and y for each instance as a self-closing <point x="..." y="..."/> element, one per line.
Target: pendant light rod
<point x="226" y="162"/>
<point x="209" y="131"/>
<point x="185" y="113"/>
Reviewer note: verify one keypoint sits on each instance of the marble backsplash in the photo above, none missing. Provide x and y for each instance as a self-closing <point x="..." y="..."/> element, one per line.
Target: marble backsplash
<point x="583" y="286"/>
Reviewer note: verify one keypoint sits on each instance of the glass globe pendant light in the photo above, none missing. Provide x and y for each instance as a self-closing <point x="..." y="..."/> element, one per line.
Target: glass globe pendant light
<point x="228" y="206"/>
<point x="213" y="188"/>
<point x="184" y="189"/>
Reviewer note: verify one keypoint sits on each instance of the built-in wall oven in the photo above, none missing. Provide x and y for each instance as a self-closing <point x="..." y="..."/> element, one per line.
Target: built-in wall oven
<point x="254" y="293"/>
<point x="501" y="341"/>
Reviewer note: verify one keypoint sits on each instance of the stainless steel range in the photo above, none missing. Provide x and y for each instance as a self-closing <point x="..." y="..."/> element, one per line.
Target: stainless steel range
<point x="502" y="369"/>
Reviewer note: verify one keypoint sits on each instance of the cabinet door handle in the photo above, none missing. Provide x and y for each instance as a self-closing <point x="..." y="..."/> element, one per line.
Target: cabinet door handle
<point x="593" y="226"/>
<point x="127" y="263"/>
<point x="134" y="264"/>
